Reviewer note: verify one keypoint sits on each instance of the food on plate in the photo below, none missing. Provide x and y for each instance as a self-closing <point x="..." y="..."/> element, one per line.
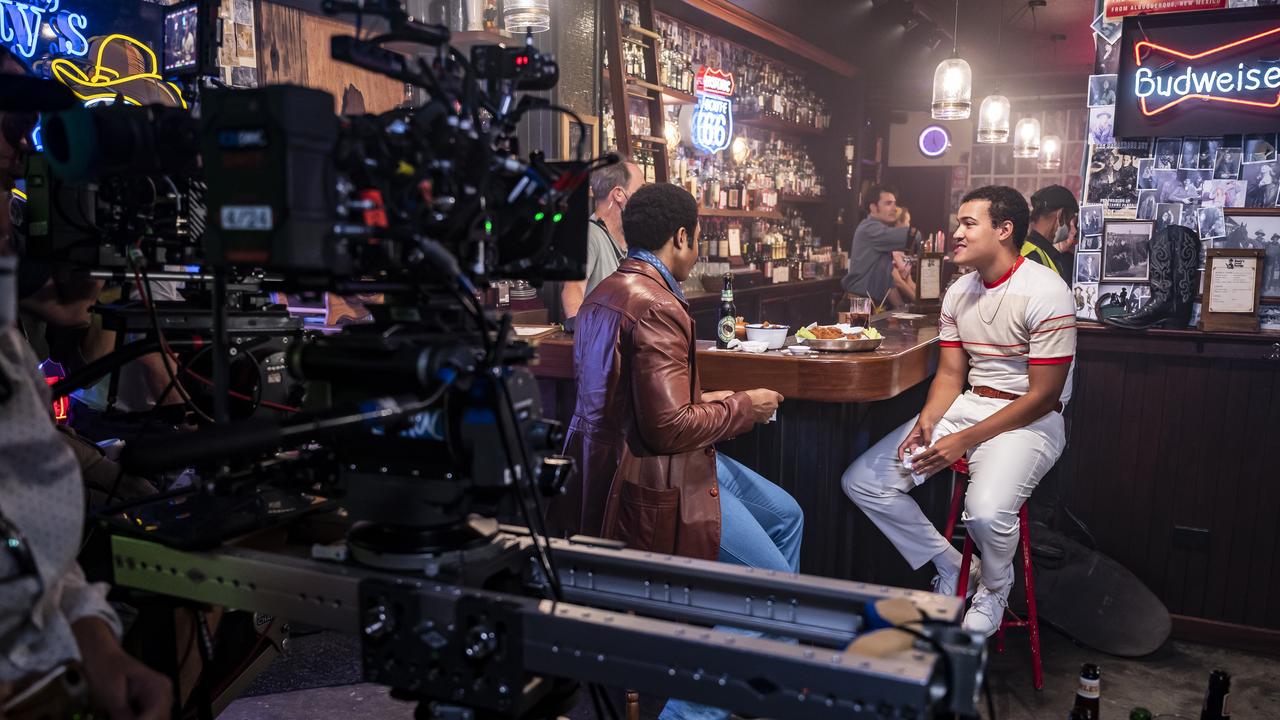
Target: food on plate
<point x="828" y="332"/>
<point x="871" y="334"/>
<point x="805" y="334"/>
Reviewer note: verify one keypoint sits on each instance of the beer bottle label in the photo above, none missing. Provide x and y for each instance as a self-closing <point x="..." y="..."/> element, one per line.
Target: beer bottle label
<point x="1226" y="705"/>
<point x="1089" y="689"/>
<point x="727" y="328"/>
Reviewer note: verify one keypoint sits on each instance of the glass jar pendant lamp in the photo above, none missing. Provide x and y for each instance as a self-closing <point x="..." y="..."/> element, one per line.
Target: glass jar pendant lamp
<point x="1050" y="153"/>
<point x="1026" y="138"/>
<point x="527" y="15"/>
<point x="952" y="83"/>
<point x="993" y="120"/>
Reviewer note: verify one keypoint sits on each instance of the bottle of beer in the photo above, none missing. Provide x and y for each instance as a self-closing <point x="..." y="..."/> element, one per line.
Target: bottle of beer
<point x="1139" y="713"/>
<point x="1217" y="700"/>
<point x="726" y="328"/>
<point x="1088" y="692"/>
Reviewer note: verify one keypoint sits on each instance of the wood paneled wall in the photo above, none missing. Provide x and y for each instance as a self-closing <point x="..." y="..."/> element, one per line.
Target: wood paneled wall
<point x="293" y="47"/>
<point x="1170" y="466"/>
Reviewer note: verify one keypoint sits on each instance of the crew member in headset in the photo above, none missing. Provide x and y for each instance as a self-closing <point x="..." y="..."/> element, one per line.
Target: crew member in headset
<point x="49" y="615"/>
<point x="1053" y="232"/>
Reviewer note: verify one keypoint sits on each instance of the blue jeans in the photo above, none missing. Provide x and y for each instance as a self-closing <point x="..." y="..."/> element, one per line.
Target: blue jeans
<point x="760" y="527"/>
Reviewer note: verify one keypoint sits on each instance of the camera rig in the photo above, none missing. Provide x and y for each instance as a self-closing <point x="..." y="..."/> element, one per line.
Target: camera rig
<point x="424" y="424"/>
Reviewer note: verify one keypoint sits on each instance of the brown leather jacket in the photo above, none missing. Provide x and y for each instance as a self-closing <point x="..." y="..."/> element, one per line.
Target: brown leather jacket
<point x="640" y="434"/>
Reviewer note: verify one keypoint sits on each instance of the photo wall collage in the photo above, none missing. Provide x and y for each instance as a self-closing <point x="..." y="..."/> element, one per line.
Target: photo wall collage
<point x="1225" y="188"/>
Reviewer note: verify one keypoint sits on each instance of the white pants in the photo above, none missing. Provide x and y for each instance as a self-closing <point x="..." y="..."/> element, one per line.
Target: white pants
<point x="1002" y="473"/>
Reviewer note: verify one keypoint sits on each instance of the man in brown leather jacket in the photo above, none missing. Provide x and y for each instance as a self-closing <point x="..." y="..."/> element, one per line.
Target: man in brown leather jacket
<point x="643" y="431"/>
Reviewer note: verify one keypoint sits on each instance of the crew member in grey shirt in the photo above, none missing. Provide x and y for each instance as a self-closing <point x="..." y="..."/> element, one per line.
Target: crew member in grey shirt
<point x="874" y="242"/>
<point x="606" y="247"/>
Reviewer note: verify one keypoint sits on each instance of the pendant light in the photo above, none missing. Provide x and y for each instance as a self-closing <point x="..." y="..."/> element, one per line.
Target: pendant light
<point x="1026" y="138"/>
<point x="1050" y="153"/>
<point x="993" y="120"/>
<point x="993" y="116"/>
<point x="527" y="15"/>
<point x="952" y="82"/>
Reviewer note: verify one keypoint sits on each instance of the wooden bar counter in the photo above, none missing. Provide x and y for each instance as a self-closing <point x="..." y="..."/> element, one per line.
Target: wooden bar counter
<point x="836" y="406"/>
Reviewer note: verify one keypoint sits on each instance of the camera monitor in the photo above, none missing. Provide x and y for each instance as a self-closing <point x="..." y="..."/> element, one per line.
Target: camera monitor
<point x="190" y="47"/>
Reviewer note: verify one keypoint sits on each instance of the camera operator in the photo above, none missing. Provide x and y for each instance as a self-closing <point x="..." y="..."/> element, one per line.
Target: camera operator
<point x="49" y="615"/>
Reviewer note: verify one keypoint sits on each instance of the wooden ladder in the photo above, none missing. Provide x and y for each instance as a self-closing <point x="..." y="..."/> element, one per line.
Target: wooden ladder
<point x="623" y="87"/>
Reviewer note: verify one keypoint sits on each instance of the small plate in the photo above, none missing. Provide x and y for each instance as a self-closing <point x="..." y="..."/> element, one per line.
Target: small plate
<point x="844" y="345"/>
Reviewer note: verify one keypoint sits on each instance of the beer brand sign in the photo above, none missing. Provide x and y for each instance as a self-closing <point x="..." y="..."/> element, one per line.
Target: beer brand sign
<point x="1199" y="77"/>
<point x="1122" y="8"/>
<point x="712" y="124"/>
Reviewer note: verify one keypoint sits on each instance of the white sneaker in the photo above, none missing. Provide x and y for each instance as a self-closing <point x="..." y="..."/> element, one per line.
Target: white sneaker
<point x="987" y="611"/>
<point x="947" y="585"/>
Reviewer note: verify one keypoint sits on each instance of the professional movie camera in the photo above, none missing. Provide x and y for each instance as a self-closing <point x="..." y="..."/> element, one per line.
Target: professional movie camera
<point x="425" y="425"/>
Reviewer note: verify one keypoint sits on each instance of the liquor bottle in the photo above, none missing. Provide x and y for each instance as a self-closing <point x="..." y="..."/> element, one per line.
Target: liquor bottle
<point x="727" y="327"/>
<point x="1088" y="692"/>
<point x="1217" y="699"/>
<point x="1139" y="713"/>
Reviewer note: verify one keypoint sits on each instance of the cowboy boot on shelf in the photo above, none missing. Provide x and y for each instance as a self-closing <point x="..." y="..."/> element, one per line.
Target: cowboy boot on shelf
<point x="1171" y="288"/>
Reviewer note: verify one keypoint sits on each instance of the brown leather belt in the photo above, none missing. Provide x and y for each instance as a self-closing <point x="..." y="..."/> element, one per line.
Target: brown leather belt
<point x="990" y="392"/>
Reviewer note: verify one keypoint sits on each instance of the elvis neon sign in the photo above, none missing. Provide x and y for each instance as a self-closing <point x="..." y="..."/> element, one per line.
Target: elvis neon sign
<point x="1158" y="89"/>
<point x="24" y="23"/>
<point x="712" y="121"/>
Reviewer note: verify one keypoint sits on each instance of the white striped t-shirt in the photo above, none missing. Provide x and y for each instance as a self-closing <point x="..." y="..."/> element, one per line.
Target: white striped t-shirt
<point x="1025" y="318"/>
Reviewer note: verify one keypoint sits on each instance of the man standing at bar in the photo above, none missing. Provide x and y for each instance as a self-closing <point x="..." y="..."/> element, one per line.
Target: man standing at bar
<point x="611" y="186"/>
<point x="874" y="242"/>
<point x="1053" y="215"/>
<point x="1011" y="327"/>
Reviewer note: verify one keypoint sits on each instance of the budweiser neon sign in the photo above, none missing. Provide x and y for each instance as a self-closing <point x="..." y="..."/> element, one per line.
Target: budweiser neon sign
<point x="1160" y="85"/>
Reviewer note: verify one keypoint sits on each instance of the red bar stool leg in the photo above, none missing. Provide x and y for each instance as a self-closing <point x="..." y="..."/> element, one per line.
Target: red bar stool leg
<point x="963" y="583"/>
<point x="957" y="497"/>
<point x="1033" y="618"/>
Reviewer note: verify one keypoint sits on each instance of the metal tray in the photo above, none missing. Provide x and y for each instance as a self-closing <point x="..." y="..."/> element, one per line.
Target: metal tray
<point x="844" y="345"/>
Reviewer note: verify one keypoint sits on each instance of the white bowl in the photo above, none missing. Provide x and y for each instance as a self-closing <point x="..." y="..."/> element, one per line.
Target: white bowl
<point x="774" y="335"/>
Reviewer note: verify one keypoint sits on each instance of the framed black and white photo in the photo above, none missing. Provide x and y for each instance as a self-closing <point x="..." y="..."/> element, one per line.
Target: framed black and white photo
<point x="1250" y="229"/>
<point x="1146" y="173"/>
<point x="1226" y="166"/>
<point x="1166" y="184"/>
<point x="1089" y="243"/>
<point x="1106" y="58"/>
<point x="1132" y="296"/>
<point x="1166" y="155"/>
<point x="1003" y="160"/>
<point x="1102" y="126"/>
<point x="1190" y="155"/>
<point x="1208" y="152"/>
<point x="1260" y="148"/>
<point x="1263" y="184"/>
<point x="1085" y="296"/>
<point x="1211" y="223"/>
<point x="1269" y="317"/>
<point x="980" y="160"/>
<point x="1090" y="220"/>
<point x="1107" y="30"/>
<point x="1102" y="90"/>
<point x="1147" y="204"/>
<point x="1126" y="251"/>
<point x="1189" y="218"/>
<point x="1167" y="214"/>
<point x="1088" y="267"/>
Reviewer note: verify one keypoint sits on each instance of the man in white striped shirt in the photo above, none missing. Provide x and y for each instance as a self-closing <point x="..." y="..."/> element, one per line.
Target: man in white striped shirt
<point x="1008" y="333"/>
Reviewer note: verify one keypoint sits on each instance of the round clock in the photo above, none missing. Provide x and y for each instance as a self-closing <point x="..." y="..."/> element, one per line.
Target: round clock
<point x="934" y="141"/>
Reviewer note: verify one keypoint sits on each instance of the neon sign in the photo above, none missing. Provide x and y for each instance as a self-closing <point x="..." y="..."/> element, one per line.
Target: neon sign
<point x="712" y="123"/>
<point x="23" y="23"/>
<point x="1225" y="85"/>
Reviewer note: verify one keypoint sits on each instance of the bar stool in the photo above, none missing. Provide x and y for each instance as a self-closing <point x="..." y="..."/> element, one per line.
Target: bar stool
<point x="960" y="475"/>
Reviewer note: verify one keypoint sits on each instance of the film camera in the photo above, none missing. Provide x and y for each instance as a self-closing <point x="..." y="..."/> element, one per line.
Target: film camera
<point x="426" y="425"/>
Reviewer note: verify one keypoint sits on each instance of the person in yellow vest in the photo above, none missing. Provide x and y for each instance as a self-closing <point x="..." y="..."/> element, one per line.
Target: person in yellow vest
<point x="1053" y="233"/>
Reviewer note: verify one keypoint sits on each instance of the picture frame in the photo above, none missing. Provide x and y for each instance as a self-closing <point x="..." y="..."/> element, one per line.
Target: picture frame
<point x="1232" y="291"/>
<point x="928" y="278"/>
<point x="1243" y="228"/>
<point x="1126" y="251"/>
<point x="570" y="131"/>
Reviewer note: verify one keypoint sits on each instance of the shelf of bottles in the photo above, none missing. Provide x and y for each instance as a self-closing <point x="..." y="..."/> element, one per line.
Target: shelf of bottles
<point x="774" y="169"/>
<point x="783" y="248"/>
<point x="768" y="93"/>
